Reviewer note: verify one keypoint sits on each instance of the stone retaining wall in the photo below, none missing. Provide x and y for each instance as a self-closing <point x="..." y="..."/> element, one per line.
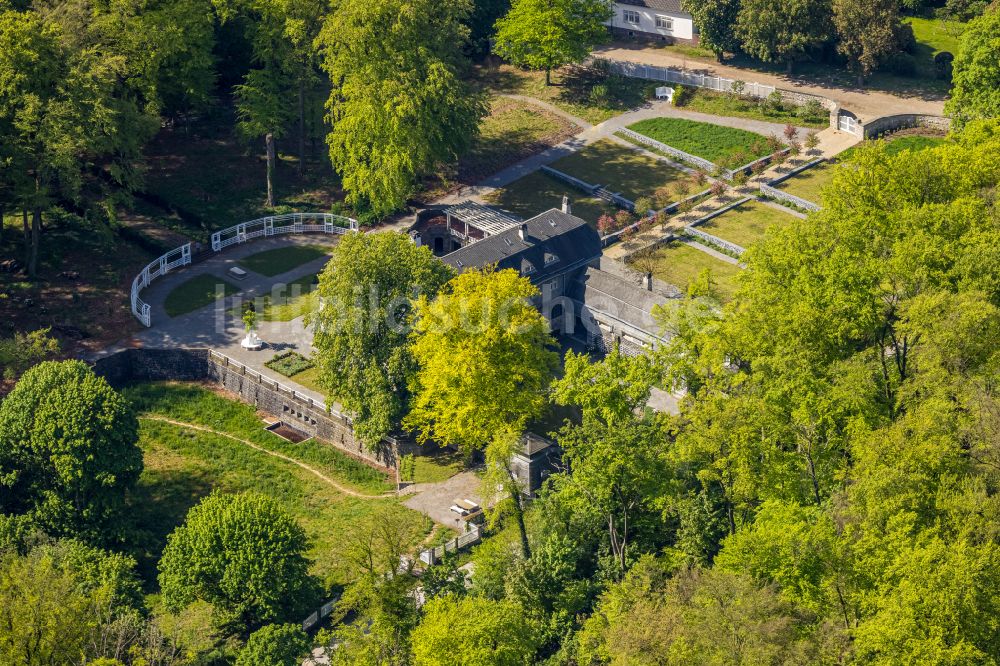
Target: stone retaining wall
<point x="874" y="128"/>
<point x="143" y="365"/>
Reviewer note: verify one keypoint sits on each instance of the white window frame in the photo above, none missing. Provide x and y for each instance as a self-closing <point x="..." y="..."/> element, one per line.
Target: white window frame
<point x="631" y="17"/>
<point x="664" y="22"/>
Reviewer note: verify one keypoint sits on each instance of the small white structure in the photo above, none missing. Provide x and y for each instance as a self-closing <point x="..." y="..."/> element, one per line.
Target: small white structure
<point x="665" y="92"/>
<point x="252" y="341"/>
<point x="237" y="273"/>
<point x="661" y="20"/>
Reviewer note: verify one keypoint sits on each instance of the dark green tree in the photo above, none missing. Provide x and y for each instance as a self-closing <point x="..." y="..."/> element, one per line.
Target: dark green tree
<point x="244" y="555"/>
<point x="975" y="91"/>
<point x="783" y="31"/>
<point x="715" y="20"/>
<point x="275" y="645"/>
<point x="68" y="454"/>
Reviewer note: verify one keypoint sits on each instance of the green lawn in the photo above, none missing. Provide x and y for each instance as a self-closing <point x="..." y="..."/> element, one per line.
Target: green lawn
<point x="537" y="192"/>
<point x="282" y="259"/>
<point x="898" y="142"/>
<point x="679" y="264"/>
<point x="746" y="224"/>
<point x="808" y="184"/>
<point x="184" y="465"/>
<point x="936" y="35"/>
<point x="619" y="169"/>
<point x="196" y="293"/>
<point x="714" y="143"/>
<point x="310" y="380"/>
<point x="719" y="104"/>
<point x="286" y="302"/>
<point x="573" y="89"/>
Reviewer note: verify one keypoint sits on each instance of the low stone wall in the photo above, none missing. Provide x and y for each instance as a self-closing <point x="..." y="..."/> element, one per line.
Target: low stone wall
<point x="276" y="400"/>
<point x="875" y="128"/>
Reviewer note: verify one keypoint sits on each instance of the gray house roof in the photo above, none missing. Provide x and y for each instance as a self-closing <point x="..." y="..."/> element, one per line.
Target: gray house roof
<point x="621" y="300"/>
<point x="673" y="6"/>
<point x="554" y="242"/>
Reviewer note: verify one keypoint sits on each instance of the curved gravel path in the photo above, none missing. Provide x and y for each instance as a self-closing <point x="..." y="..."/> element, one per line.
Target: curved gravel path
<point x="257" y="447"/>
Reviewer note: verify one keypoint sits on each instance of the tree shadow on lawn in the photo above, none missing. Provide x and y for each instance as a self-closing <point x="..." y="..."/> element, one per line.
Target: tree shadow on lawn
<point x="159" y="504"/>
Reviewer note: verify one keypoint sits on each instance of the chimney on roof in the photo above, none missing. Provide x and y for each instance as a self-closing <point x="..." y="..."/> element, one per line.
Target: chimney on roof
<point x="647" y="281"/>
<point x="523" y="231"/>
<point x="565" y="205"/>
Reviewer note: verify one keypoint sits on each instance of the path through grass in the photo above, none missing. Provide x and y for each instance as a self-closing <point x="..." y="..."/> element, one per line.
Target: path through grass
<point x="195" y="441"/>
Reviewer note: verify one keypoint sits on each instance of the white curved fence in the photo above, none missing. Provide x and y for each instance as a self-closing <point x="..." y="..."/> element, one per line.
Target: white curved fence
<point x="291" y="223"/>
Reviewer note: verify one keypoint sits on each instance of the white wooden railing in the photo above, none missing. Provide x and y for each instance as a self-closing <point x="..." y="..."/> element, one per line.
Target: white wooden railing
<point x="291" y="223"/>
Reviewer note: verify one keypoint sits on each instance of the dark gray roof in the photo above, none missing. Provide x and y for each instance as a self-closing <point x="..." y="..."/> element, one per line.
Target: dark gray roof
<point x="661" y="5"/>
<point x="621" y="299"/>
<point x="555" y="241"/>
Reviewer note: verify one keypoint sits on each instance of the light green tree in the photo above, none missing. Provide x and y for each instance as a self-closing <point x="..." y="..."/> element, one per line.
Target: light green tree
<point x="274" y="645"/>
<point x="473" y="631"/>
<point x="546" y="34"/>
<point x="68" y="454"/>
<point x="975" y="89"/>
<point x="367" y="291"/>
<point x="399" y="107"/>
<point x="485" y="360"/>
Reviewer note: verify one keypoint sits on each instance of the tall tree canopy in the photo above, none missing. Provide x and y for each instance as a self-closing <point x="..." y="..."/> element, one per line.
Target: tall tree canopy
<point x="783" y="31"/>
<point x="367" y="292"/>
<point x="68" y="453"/>
<point x="866" y="32"/>
<point x="715" y="20"/>
<point x="244" y="555"/>
<point x="545" y="34"/>
<point x="485" y="359"/>
<point x="975" y="91"/>
<point x="399" y="106"/>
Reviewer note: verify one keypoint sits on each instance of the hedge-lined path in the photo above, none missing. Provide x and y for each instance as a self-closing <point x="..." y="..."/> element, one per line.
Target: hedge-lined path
<point x="257" y="447"/>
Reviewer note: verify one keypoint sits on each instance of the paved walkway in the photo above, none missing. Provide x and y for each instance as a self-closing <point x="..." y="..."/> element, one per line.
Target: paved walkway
<point x="865" y="104"/>
<point x="434" y="499"/>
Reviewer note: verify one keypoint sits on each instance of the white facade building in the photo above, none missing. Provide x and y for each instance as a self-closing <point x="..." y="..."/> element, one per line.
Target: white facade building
<point x="653" y="19"/>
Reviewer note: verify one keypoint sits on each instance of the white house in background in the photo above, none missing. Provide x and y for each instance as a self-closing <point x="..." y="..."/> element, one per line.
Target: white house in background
<point x="653" y="19"/>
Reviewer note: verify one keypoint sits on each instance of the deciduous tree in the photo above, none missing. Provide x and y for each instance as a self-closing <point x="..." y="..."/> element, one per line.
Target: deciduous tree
<point x="274" y="645"/>
<point x="546" y="34"/>
<point x="68" y="453"/>
<point x="485" y="359"/>
<point x="715" y="20"/>
<point x="367" y="292"/>
<point x="866" y="33"/>
<point x="399" y="106"/>
<point x="244" y="555"/>
<point x="975" y="91"/>
<point x="782" y="31"/>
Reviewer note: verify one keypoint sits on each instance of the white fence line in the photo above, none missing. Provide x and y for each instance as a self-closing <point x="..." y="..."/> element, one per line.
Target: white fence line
<point x="433" y="555"/>
<point x="670" y="150"/>
<point x="247" y="371"/>
<point x="682" y="77"/>
<point x="290" y="223"/>
<point x="775" y="193"/>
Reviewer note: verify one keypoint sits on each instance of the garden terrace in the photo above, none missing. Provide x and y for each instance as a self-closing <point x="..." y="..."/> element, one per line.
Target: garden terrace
<point x="715" y="143"/>
<point x="809" y="184"/>
<point x="679" y="264"/>
<point x="747" y="223"/>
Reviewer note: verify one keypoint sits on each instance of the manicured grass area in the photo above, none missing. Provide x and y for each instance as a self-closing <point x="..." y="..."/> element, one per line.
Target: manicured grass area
<point x="746" y="224"/>
<point x="619" y="169"/>
<point x="714" y="143"/>
<point x="289" y="363"/>
<point x="718" y="104"/>
<point x="909" y="139"/>
<point x="689" y="51"/>
<point x="282" y="259"/>
<point x="679" y="264"/>
<point x="809" y="184"/>
<point x="309" y="378"/>
<point x="431" y="466"/>
<point x="196" y="293"/>
<point x="297" y="298"/>
<point x="936" y="35"/>
<point x="583" y="92"/>
<point x="184" y="465"/>
<point x="537" y="192"/>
